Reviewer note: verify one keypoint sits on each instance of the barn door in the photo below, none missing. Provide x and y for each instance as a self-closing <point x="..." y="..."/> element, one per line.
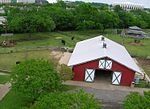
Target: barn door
<point x="116" y="78"/>
<point x="89" y="75"/>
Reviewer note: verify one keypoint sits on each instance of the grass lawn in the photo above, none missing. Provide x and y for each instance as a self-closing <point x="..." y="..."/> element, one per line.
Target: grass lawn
<point x="4" y="79"/>
<point x="145" y="64"/>
<point x="8" y="60"/>
<point x="54" y="39"/>
<point x="12" y="101"/>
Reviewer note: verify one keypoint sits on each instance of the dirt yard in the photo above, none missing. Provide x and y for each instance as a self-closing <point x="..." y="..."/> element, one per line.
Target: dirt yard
<point x="145" y="64"/>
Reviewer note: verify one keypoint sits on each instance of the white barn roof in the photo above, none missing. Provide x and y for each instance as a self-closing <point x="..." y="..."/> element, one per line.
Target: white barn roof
<point x="92" y="49"/>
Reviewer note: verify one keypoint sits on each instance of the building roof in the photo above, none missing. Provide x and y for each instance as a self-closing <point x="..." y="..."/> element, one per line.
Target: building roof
<point x="135" y="28"/>
<point x="92" y="49"/>
<point x="136" y="32"/>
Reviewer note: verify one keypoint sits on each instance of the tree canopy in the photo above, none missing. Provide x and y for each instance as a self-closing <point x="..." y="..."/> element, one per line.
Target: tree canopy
<point x="61" y="16"/>
<point x="32" y="78"/>
<point x="76" y="100"/>
<point x="137" y="101"/>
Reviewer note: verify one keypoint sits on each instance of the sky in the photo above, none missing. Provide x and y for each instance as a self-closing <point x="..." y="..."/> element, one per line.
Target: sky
<point x="145" y="3"/>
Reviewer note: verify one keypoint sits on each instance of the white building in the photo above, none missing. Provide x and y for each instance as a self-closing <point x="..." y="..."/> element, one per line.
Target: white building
<point x="25" y="1"/>
<point x="129" y="6"/>
<point x="5" y="1"/>
<point x="17" y="1"/>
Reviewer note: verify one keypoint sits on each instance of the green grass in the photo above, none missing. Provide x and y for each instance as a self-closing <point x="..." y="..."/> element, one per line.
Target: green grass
<point x="8" y="60"/>
<point x="4" y="79"/>
<point x="12" y="101"/>
<point x="47" y="39"/>
<point x="54" y="39"/>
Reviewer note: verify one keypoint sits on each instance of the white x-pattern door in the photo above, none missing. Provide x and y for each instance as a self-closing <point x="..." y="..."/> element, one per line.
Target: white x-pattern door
<point x="116" y="78"/>
<point x="102" y="63"/>
<point x="105" y="64"/>
<point x="108" y="64"/>
<point x="89" y="75"/>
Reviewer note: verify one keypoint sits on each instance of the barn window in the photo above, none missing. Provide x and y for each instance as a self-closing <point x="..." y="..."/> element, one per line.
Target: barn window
<point x="105" y="64"/>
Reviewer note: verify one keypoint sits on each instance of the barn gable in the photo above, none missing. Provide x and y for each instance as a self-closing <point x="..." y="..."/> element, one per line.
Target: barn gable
<point x="92" y="49"/>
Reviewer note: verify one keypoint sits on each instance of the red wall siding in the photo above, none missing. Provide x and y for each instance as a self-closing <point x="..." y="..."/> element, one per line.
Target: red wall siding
<point x="79" y="70"/>
<point x="127" y="74"/>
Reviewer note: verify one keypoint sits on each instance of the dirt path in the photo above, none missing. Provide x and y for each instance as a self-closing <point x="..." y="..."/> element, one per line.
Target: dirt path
<point x="65" y="58"/>
<point x="4" y="73"/>
<point x="4" y="89"/>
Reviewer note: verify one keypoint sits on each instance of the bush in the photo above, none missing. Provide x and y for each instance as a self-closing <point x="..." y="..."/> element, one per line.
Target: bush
<point x="33" y="78"/>
<point x="77" y="100"/>
<point x="65" y="72"/>
<point x="137" y="101"/>
<point x="142" y="84"/>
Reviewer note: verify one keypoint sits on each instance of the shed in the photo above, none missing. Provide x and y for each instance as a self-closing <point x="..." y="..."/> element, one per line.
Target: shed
<point x="136" y="32"/>
<point x="102" y="56"/>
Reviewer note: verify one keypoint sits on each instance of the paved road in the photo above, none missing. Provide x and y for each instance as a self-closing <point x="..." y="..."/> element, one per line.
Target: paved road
<point x="111" y="99"/>
<point x="110" y="95"/>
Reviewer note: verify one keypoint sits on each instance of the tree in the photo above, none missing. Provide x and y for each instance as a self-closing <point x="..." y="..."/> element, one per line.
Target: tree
<point x="76" y="100"/>
<point x="108" y="19"/>
<point x="137" y="101"/>
<point x="29" y="21"/>
<point x="33" y="78"/>
<point x="86" y="16"/>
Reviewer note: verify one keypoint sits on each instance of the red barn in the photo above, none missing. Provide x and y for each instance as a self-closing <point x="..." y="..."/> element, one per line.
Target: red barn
<point x="101" y="56"/>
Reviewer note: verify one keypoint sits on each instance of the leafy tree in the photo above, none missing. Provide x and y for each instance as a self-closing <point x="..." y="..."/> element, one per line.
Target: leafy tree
<point x="108" y="19"/>
<point x="77" y="100"/>
<point x="137" y="101"/>
<point x="86" y="16"/>
<point x="33" y="78"/>
<point x="29" y="21"/>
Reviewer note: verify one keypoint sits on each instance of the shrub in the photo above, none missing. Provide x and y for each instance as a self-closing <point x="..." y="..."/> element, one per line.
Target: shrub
<point x="33" y="78"/>
<point x="137" y="101"/>
<point x="77" y="100"/>
<point x="65" y="72"/>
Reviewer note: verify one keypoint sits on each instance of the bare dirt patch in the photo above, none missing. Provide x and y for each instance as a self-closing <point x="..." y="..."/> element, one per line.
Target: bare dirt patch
<point x="145" y="64"/>
<point x="136" y="44"/>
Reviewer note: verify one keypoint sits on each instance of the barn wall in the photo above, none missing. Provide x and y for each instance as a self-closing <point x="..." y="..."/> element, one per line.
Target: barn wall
<point x="79" y="70"/>
<point x="127" y="74"/>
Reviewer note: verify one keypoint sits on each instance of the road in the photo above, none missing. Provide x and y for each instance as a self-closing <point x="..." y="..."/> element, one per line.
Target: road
<point x="111" y="99"/>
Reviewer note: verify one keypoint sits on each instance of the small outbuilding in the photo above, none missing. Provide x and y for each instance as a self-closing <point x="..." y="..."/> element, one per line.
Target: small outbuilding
<point x="100" y="57"/>
<point x="136" y="32"/>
